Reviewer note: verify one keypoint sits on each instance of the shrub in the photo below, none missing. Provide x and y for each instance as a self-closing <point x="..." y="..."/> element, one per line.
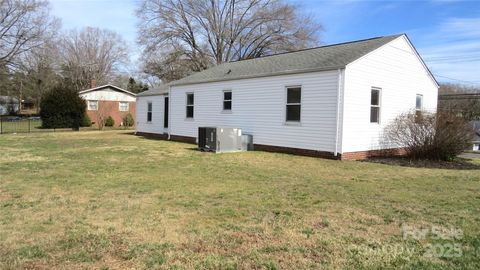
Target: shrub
<point x="62" y="108"/>
<point x="128" y="120"/>
<point x="434" y="136"/>
<point x="86" y="121"/>
<point x="109" y="122"/>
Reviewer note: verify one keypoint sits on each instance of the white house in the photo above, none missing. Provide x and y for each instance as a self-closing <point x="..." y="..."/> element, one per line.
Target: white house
<point x="332" y="101"/>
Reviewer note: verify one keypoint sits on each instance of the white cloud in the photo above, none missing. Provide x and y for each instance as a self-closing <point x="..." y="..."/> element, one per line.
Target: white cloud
<point x="452" y="49"/>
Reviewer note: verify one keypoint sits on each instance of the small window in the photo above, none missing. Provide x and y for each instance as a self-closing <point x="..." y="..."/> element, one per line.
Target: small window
<point x="419" y="103"/>
<point x="375" y="105"/>
<point x="190" y="103"/>
<point x="123" y="106"/>
<point x="92" y="105"/>
<point x="149" y="111"/>
<point x="227" y="100"/>
<point x="294" y="97"/>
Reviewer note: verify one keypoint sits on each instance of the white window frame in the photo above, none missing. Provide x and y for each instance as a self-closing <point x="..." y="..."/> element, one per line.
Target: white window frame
<point x="89" y="107"/>
<point x="289" y="122"/>
<point x="126" y="107"/>
<point x="150" y="111"/>
<point x="223" y="101"/>
<point x="379" y="106"/>
<point x="421" y="103"/>
<point x="189" y="105"/>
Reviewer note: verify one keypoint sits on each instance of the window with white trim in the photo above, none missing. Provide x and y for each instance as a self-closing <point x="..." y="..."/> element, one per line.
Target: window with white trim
<point x="189" y="105"/>
<point x="149" y="111"/>
<point x="123" y="106"/>
<point x="227" y="100"/>
<point x="375" y="105"/>
<point x="294" y="104"/>
<point x="92" y="105"/>
<point x="419" y="103"/>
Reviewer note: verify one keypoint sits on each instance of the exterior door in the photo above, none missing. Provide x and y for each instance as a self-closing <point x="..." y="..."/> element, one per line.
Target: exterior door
<point x="165" y="115"/>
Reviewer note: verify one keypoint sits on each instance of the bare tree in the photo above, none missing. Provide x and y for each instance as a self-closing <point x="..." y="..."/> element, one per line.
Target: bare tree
<point x="460" y="99"/>
<point x="182" y="36"/>
<point x="41" y="67"/>
<point x="102" y="113"/>
<point x="24" y="25"/>
<point x="92" y="54"/>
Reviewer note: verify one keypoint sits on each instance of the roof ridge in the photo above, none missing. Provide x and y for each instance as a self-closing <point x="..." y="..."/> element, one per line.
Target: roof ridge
<point x="317" y="47"/>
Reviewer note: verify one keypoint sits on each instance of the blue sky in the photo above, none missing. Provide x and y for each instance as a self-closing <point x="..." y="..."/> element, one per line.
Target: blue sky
<point x="445" y="32"/>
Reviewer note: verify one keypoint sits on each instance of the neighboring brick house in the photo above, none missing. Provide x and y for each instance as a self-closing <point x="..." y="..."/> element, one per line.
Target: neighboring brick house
<point x="108" y="100"/>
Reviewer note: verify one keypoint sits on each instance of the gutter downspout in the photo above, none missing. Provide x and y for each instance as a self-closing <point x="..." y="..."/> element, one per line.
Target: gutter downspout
<point x="339" y="89"/>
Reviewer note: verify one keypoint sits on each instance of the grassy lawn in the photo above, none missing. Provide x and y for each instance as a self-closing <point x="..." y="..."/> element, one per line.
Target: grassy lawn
<point x="21" y="126"/>
<point x="111" y="200"/>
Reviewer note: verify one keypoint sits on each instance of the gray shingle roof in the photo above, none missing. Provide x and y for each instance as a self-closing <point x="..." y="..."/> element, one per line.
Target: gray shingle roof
<point x="162" y="89"/>
<point x="328" y="57"/>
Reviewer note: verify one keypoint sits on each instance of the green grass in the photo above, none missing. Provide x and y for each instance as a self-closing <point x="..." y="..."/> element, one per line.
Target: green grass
<point x="21" y="126"/>
<point x="111" y="200"/>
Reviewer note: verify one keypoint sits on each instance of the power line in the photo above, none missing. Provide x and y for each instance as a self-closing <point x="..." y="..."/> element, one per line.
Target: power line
<point x="453" y="79"/>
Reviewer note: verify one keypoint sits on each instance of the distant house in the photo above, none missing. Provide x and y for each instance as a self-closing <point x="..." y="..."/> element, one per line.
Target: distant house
<point x="9" y="105"/>
<point x="108" y="100"/>
<point x="332" y="101"/>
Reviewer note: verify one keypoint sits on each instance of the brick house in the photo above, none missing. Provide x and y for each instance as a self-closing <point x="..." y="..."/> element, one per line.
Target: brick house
<point x="108" y="100"/>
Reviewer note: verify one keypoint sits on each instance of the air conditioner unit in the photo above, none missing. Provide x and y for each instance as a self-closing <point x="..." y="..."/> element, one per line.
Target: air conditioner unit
<point x="220" y="139"/>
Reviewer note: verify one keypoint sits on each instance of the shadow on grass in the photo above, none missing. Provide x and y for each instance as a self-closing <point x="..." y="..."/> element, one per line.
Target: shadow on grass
<point x="457" y="164"/>
<point x="132" y="132"/>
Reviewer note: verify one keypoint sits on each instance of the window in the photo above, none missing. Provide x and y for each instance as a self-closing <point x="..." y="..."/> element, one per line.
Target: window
<point x="123" y="106"/>
<point x="92" y="105"/>
<point x="375" y="105"/>
<point x="149" y="112"/>
<point x="190" y="102"/>
<point x="294" y="96"/>
<point x="419" y="103"/>
<point x="227" y="100"/>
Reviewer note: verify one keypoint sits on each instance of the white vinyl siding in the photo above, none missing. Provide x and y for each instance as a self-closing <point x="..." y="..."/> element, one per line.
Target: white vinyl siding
<point x="398" y="71"/>
<point x="259" y="109"/>
<point x="156" y="125"/>
<point x="107" y="94"/>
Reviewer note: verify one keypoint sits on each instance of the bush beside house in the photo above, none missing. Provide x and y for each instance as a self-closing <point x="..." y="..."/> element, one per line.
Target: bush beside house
<point x="128" y="120"/>
<point x="86" y="121"/>
<point x="109" y="122"/>
<point x="434" y="136"/>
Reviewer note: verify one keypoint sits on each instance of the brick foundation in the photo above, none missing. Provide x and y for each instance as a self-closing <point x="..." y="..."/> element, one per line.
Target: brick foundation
<point x="294" y="151"/>
<point x="152" y="135"/>
<point x="184" y="139"/>
<point x="164" y="136"/>
<point x="360" y="155"/>
<point x="373" y="153"/>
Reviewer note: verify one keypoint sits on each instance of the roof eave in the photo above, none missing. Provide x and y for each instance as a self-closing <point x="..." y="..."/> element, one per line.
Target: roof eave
<point x="106" y="86"/>
<point x="288" y="72"/>
<point x="152" y="94"/>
